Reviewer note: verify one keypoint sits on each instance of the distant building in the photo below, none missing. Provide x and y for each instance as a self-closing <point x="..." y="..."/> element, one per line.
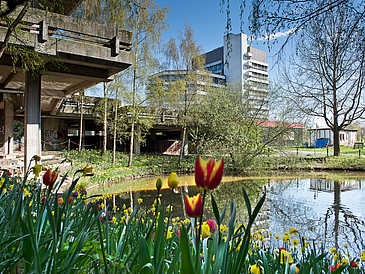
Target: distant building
<point x="239" y="62"/>
<point x="348" y="137"/>
<point x="291" y="133"/>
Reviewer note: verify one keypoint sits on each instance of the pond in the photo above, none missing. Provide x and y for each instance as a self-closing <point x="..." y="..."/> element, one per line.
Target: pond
<point x="326" y="208"/>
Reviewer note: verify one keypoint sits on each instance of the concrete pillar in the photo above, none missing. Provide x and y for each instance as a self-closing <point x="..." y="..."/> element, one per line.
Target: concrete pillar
<point x="9" y="124"/>
<point x="32" y="125"/>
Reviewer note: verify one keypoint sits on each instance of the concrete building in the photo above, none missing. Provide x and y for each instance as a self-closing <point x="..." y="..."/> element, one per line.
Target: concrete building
<point x="240" y="62"/>
<point x="78" y="55"/>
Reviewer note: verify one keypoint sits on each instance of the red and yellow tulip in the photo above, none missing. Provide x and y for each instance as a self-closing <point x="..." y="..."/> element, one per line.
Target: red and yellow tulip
<point x="49" y="178"/>
<point x="208" y="174"/>
<point x="193" y="205"/>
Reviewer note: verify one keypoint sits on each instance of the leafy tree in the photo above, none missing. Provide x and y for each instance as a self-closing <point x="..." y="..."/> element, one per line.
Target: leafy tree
<point x="146" y="21"/>
<point x="186" y="80"/>
<point x="232" y="127"/>
<point x="229" y="129"/>
<point x="326" y="77"/>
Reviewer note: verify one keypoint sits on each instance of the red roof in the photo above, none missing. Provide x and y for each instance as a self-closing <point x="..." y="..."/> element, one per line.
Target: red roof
<point x="265" y="123"/>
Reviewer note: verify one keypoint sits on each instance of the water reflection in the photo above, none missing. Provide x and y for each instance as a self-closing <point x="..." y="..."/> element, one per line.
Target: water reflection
<point x="329" y="211"/>
<point x="324" y="210"/>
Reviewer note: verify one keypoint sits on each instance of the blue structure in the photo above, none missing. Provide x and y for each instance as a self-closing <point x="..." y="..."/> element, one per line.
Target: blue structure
<point x="321" y="143"/>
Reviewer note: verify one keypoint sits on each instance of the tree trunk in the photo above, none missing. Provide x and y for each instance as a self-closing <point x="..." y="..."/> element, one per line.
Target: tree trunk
<point x="336" y="141"/>
<point x="131" y="146"/>
<point x="105" y="122"/>
<point x="133" y="119"/>
<point x="81" y="119"/>
<point x="115" y="128"/>
<point x="336" y="129"/>
<point x="182" y="148"/>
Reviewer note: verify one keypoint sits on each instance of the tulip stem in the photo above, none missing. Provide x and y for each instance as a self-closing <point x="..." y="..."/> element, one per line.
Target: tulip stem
<point x="168" y="220"/>
<point x="200" y="231"/>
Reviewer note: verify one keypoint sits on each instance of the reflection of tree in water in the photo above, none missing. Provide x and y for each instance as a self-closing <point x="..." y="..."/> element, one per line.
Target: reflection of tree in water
<point x="337" y="227"/>
<point x="291" y="212"/>
<point x="224" y="193"/>
<point x="348" y="229"/>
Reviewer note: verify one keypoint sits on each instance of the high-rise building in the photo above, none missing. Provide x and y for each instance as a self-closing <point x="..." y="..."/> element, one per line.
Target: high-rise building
<point x="240" y="62"/>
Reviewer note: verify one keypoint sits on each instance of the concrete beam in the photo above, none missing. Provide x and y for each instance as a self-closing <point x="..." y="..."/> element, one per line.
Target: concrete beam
<point x="7" y="79"/>
<point x="75" y="25"/>
<point x="32" y="126"/>
<point x="52" y="93"/>
<point x="55" y="104"/>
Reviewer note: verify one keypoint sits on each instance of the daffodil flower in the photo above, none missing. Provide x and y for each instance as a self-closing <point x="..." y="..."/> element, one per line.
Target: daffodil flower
<point x="36" y="170"/>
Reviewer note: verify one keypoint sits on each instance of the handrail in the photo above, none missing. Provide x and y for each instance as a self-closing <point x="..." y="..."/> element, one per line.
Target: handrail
<point x="48" y="24"/>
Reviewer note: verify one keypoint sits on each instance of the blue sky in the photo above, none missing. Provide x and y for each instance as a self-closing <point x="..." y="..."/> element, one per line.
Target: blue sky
<point x="209" y="22"/>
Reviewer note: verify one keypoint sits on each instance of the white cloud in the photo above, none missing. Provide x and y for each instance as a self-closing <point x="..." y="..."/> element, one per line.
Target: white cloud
<point x="275" y="35"/>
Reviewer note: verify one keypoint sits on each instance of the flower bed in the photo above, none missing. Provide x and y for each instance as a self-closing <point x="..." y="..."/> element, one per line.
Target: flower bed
<point x="43" y="232"/>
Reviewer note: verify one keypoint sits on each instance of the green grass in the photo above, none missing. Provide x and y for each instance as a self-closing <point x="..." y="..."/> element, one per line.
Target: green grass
<point x="144" y="164"/>
<point x="343" y="150"/>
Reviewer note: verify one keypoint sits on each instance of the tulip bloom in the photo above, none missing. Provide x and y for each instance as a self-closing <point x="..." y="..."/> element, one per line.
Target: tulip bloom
<point x="205" y="231"/>
<point x="193" y="205"/>
<point x="173" y="181"/>
<point x="60" y="201"/>
<point x="208" y="174"/>
<point x="50" y="177"/>
<point x="212" y="225"/>
<point x="159" y="183"/>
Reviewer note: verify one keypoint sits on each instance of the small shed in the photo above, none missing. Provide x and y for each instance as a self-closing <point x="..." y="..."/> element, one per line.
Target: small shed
<point x="348" y="137"/>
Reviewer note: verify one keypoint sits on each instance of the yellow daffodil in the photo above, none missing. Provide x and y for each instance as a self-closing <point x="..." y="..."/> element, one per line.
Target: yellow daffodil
<point x="293" y="231"/>
<point x="169" y="234"/>
<point x="87" y="170"/>
<point x="284" y="256"/>
<point x="36" y="170"/>
<point x="362" y="257"/>
<point x="256" y="269"/>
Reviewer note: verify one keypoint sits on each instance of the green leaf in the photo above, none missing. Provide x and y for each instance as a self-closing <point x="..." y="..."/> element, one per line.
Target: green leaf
<point x="215" y="210"/>
<point x="145" y="266"/>
<point x="257" y="208"/>
<point x="186" y="260"/>
<point x="175" y="260"/>
<point x="247" y="201"/>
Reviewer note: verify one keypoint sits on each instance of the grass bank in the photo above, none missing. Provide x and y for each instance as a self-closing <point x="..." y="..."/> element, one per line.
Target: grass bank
<point x="148" y="165"/>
